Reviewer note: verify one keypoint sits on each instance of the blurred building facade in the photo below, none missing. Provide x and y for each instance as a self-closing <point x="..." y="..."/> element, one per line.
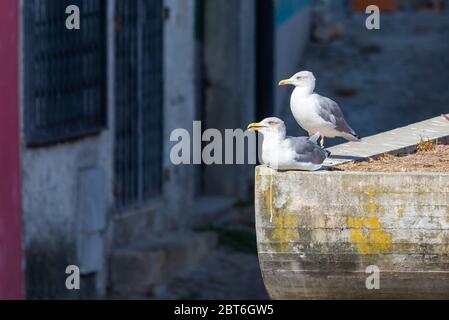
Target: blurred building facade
<point x="97" y="106"/>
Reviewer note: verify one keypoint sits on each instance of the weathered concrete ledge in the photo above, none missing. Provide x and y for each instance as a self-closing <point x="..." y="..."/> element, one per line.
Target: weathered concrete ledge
<point x="318" y="232"/>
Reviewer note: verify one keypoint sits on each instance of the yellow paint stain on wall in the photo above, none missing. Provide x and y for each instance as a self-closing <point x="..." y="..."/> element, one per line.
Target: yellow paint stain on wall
<point x="285" y="228"/>
<point x="366" y="232"/>
<point x="368" y="236"/>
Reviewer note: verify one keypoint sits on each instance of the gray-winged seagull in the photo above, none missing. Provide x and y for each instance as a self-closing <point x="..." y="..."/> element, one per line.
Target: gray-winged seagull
<point x="315" y="113"/>
<point x="288" y="153"/>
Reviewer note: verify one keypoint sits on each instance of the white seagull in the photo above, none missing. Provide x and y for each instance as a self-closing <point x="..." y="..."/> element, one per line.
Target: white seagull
<point x="315" y="113"/>
<point x="288" y="153"/>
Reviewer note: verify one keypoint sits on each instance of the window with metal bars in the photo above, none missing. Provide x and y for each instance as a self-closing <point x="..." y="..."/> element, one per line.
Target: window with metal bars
<point x="138" y="101"/>
<point x="65" y="71"/>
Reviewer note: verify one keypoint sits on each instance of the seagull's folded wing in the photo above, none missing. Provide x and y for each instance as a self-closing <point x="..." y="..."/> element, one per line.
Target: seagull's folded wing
<point x="331" y="112"/>
<point x="307" y="151"/>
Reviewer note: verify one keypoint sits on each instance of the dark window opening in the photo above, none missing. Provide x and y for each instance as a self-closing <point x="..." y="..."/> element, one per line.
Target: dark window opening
<point x="65" y="71"/>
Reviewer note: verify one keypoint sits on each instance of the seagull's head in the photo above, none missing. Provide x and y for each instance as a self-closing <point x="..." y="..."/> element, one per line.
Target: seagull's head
<point x="303" y="79"/>
<point x="273" y="126"/>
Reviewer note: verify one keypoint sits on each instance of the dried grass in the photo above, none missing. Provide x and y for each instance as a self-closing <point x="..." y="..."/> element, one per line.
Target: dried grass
<point x="429" y="158"/>
<point x="425" y="146"/>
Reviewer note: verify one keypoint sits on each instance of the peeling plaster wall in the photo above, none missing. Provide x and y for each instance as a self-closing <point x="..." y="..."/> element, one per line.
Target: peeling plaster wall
<point x="50" y="202"/>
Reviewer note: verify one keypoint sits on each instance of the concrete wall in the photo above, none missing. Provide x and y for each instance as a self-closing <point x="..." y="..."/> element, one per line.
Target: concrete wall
<point x="50" y="202"/>
<point x="292" y="20"/>
<point x="319" y="232"/>
<point x="50" y="180"/>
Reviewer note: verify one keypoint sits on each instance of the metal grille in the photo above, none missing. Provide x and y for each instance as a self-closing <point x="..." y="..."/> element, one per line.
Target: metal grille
<point x="138" y="146"/>
<point x="64" y="71"/>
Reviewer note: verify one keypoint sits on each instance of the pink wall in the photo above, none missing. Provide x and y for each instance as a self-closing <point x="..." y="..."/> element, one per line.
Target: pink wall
<point x="11" y="273"/>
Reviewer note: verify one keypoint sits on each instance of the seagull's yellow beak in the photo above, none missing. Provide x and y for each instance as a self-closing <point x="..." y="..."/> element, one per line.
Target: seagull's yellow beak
<point x="285" y="82"/>
<point x="255" y="126"/>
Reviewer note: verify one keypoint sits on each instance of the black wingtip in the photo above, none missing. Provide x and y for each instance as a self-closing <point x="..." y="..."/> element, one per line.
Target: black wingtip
<point x="357" y="136"/>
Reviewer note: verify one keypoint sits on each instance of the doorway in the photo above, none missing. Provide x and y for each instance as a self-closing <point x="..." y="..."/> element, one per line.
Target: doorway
<point x="138" y="101"/>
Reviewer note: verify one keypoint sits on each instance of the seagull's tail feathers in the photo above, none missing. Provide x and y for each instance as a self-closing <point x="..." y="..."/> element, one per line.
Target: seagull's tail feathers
<point x="352" y="137"/>
<point x="315" y="137"/>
